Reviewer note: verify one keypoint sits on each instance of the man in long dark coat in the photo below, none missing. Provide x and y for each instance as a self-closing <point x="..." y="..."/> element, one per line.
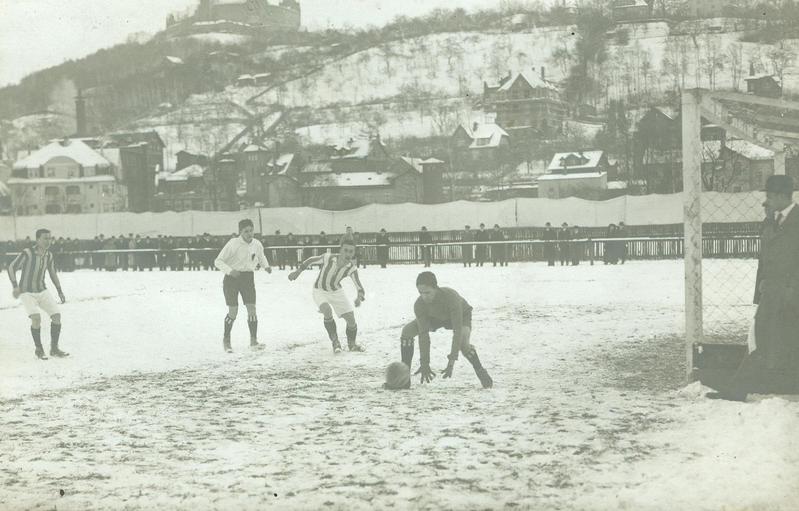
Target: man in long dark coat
<point x="773" y="366"/>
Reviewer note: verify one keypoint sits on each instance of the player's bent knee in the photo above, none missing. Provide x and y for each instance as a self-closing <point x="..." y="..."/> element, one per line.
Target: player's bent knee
<point x="36" y="320"/>
<point x="56" y="318"/>
<point x="410" y="330"/>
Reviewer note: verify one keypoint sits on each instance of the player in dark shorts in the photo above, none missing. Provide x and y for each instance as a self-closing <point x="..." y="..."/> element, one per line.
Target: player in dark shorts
<point x="440" y="307"/>
<point x="239" y="259"/>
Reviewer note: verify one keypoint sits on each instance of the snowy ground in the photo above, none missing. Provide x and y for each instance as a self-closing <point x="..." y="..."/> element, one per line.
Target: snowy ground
<point x="589" y="409"/>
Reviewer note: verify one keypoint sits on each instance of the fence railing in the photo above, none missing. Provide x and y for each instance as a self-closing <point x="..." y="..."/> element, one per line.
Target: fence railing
<point x="582" y="250"/>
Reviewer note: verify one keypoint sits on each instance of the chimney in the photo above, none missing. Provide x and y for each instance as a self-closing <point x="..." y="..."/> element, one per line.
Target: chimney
<point x="543" y="73"/>
<point x="474" y="127"/>
<point x="751" y="69"/>
<point x="80" y="114"/>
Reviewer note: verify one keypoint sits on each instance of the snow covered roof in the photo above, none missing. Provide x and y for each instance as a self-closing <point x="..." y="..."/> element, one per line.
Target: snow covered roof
<point x="245" y="77"/>
<point x="282" y="164"/>
<point x="59" y="180"/>
<point x="76" y="150"/>
<point x="534" y="80"/>
<point x="174" y="60"/>
<point x="318" y="166"/>
<point x="749" y="150"/>
<point x="419" y="163"/>
<point x="590" y="160"/>
<point x="485" y="136"/>
<point x="186" y="173"/>
<point x="253" y="148"/>
<point x="760" y="77"/>
<point x="352" y="179"/>
<point x="353" y="148"/>
<point x="580" y="175"/>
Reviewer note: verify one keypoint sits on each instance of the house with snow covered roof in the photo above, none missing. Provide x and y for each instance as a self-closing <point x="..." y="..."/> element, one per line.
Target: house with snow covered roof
<point x="767" y="86"/>
<point x="735" y="165"/>
<point x="577" y="162"/>
<point x="66" y="176"/>
<point x="479" y="146"/>
<point x="573" y="173"/>
<point x="526" y="101"/>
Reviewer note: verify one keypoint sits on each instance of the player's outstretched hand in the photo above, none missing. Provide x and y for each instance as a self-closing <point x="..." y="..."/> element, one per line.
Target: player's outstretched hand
<point x="448" y="370"/>
<point x="16" y="292"/>
<point x="293" y="275"/>
<point x="268" y="269"/>
<point x="62" y="297"/>
<point x="359" y="300"/>
<point x="427" y="374"/>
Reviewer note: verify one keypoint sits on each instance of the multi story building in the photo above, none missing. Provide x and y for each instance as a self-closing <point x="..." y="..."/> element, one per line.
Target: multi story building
<point x="526" y="101"/>
<point x="66" y="176"/>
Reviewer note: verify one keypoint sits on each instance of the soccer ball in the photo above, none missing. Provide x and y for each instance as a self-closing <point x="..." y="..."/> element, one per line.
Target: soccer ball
<point x="398" y="376"/>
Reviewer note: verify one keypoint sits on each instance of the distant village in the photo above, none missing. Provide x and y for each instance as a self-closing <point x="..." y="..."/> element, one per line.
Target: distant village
<point x="131" y="170"/>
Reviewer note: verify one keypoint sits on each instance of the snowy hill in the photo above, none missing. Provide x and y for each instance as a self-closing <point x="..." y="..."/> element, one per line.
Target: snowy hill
<point x="332" y="86"/>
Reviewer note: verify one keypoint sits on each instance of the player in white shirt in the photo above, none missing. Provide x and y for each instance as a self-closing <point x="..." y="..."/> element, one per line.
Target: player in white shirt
<point x="330" y="297"/>
<point x="238" y="260"/>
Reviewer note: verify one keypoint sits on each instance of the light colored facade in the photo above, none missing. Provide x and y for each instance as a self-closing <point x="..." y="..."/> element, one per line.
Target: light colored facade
<point x="66" y="177"/>
<point x="558" y="186"/>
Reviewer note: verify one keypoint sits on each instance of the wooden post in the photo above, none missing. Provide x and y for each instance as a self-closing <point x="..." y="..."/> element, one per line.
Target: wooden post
<point x="692" y="195"/>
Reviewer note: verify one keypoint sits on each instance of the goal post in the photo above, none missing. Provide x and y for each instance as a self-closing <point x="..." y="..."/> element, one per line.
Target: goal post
<point x="692" y="246"/>
<point x="722" y="199"/>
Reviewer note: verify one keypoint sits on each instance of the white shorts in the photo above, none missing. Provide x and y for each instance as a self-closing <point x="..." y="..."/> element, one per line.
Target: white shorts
<point x="338" y="299"/>
<point x="33" y="302"/>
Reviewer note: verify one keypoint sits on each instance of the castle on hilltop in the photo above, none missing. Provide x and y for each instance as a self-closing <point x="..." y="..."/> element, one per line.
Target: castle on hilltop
<point x="284" y="16"/>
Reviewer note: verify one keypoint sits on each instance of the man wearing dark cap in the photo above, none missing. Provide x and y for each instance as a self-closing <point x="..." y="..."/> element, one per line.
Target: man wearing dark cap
<point x="773" y="366"/>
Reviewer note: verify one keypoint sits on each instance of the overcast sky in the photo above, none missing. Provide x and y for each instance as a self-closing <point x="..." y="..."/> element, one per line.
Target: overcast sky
<point x="36" y="34"/>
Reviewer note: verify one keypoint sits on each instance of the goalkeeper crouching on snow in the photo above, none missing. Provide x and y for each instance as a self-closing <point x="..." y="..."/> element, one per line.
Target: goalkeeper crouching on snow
<point x="440" y="307"/>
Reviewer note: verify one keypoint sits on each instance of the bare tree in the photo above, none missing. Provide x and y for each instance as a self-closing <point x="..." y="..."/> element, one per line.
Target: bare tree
<point x="735" y="60"/>
<point x="780" y="58"/>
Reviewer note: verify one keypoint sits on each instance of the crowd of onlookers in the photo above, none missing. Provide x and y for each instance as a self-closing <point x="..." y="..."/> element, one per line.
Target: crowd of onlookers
<point x="475" y="247"/>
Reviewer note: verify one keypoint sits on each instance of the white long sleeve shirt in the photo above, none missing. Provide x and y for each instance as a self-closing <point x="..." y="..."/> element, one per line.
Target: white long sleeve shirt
<point x="240" y="256"/>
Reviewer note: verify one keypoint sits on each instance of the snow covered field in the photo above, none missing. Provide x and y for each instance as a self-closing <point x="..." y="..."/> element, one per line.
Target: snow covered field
<point x="589" y="410"/>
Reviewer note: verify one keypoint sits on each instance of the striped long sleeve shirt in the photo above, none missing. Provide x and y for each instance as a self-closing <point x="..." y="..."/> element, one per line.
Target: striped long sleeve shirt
<point x="34" y="268"/>
<point x="330" y="276"/>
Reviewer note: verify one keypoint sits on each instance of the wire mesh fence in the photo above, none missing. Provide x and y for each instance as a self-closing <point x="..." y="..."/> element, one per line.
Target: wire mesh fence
<point x="729" y="269"/>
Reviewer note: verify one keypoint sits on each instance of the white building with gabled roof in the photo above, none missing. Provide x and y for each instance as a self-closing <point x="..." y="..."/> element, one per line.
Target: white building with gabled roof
<point x="66" y="176"/>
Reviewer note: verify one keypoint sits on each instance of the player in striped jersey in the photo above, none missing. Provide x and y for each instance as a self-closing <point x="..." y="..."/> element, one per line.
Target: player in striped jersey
<point x="330" y="296"/>
<point x="34" y="263"/>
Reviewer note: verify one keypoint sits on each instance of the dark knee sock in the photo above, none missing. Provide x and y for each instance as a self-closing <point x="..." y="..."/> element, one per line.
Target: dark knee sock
<point x="252" y="323"/>
<point x="471" y="356"/>
<point x="330" y="326"/>
<point x="352" y="334"/>
<point x="228" y="326"/>
<point x="37" y="337"/>
<point x="406" y="350"/>
<point x="55" y="334"/>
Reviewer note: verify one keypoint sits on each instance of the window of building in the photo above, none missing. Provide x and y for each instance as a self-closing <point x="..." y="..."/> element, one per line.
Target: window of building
<point x="108" y="189"/>
<point x="50" y="191"/>
<point x="73" y="208"/>
<point x="73" y="190"/>
<point x="50" y="171"/>
<point x="482" y="142"/>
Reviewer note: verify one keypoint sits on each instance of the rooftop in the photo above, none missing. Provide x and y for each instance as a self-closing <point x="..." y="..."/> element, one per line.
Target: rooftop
<point x="532" y="79"/>
<point x="485" y="136"/>
<point x="75" y="150"/>
<point x="590" y="159"/>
